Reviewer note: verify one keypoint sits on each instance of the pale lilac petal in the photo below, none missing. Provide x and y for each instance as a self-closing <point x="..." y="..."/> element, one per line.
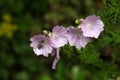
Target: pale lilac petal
<point x="59" y="30"/>
<point x="34" y="44"/>
<point x="58" y="42"/>
<point x="84" y="41"/>
<point x="76" y="38"/>
<point x="81" y="41"/>
<point x="38" y="51"/>
<point x="41" y="45"/>
<point x="37" y="37"/>
<point x="78" y="45"/>
<point x="72" y="40"/>
<point x="35" y="40"/>
<point x="47" y="49"/>
<point x="57" y="37"/>
<point x="92" y="26"/>
<point x="94" y="34"/>
<point x="71" y="35"/>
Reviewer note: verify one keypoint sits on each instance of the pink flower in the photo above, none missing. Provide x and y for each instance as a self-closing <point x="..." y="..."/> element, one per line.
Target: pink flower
<point x="41" y="45"/>
<point x="76" y="38"/>
<point x="58" y="37"/>
<point x="92" y="26"/>
<point x="79" y="37"/>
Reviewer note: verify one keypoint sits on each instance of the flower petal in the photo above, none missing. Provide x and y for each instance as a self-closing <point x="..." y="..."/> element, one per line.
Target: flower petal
<point x="92" y="26"/>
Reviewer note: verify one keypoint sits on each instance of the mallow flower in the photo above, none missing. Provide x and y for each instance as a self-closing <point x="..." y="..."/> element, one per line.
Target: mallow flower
<point x="41" y="45"/>
<point x="58" y="37"/>
<point x="76" y="38"/>
<point x="92" y="26"/>
<point x="50" y="43"/>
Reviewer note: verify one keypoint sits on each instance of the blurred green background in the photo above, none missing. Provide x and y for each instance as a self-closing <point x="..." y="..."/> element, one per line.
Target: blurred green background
<point x="21" y="19"/>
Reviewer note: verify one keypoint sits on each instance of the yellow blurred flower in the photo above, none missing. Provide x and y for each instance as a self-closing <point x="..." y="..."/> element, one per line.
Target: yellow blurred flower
<point x="7" y="18"/>
<point x="6" y="28"/>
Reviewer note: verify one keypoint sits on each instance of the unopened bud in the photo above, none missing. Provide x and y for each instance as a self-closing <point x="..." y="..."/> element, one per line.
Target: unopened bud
<point x="77" y="21"/>
<point x="45" y="32"/>
<point x="81" y="20"/>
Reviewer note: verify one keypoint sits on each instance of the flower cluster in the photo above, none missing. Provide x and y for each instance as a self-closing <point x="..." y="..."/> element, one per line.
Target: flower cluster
<point x="50" y="43"/>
